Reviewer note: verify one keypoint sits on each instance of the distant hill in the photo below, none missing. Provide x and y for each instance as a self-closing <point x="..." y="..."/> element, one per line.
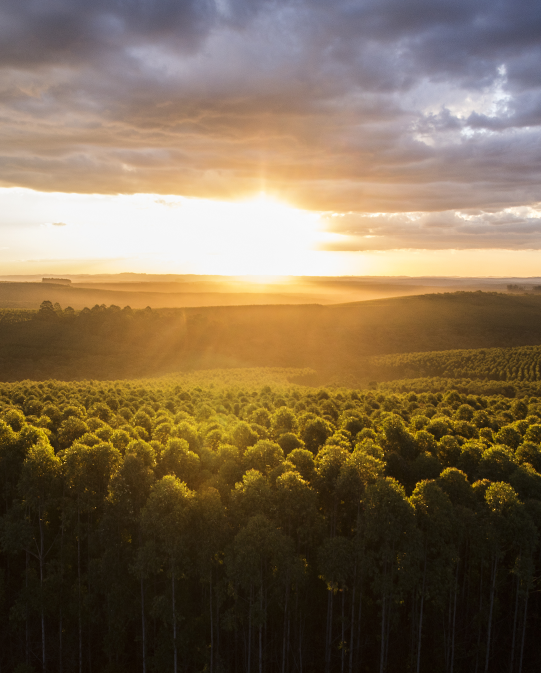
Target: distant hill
<point x="30" y="296"/>
<point x="193" y="291"/>
<point x="337" y="341"/>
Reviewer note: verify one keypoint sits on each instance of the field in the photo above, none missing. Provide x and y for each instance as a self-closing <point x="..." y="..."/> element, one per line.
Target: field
<point x="338" y="342"/>
<point x="236" y="515"/>
<point x="179" y="291"/>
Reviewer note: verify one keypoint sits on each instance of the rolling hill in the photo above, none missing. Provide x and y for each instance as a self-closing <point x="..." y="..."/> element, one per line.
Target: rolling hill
<point x="336" y="341"/>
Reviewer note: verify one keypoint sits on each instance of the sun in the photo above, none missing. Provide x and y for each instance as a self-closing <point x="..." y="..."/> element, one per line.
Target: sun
<point x="153" y="233"/>
<point x="259" y="236"/>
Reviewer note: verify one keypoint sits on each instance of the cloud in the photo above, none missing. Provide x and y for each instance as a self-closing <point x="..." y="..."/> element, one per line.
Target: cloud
<point x="351" y="106"/>
<point x="507" y="229"/>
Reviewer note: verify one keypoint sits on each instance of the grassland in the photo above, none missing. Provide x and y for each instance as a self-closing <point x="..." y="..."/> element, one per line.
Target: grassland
<point x="338" y="341"/>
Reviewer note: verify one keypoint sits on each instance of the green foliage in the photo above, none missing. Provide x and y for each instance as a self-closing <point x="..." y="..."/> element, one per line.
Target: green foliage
<point x="202" y="507"/>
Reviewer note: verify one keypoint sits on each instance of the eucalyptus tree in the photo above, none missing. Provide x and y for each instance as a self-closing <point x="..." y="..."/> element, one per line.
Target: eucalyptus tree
<point x="212" y="533"/>
<point x="435" y="520"/>
<point x="166" y="521"/>
<point x="336" y="563"/>
<point x="329" y="462"/>
<point x="391" y="543"/>
<point x="258" y="563"/>
<point x="297" y="516"/>
<point x="510" y="530"/>
<point x="129" y="489"/>
<point x="87" y="472"/>
<point x="177" y="459"/>
<point x="38" y="487"/>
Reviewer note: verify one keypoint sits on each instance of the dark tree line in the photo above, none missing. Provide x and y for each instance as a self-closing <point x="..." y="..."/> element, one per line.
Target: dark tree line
<point x="151" y="526"/>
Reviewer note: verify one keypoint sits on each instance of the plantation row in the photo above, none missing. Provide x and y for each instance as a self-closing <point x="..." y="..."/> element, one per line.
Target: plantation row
<point x="499" y="364"/>
<point x="166" y="526"/>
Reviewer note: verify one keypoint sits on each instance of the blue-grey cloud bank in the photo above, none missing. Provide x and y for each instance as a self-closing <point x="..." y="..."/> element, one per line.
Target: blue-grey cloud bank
<point x="350" y="106"/>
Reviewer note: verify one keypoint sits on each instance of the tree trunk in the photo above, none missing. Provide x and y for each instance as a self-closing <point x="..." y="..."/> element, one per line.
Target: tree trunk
<point x="492" y="592"/>
<point x="478" y="648"/>
<point x="328" y="640"/>
<point x="143" y="630"/>
<point x="249" y="667"/>
<point x="359" y="614"/>
<point x="352" y="627"/>
<point x="60" y="642"/>
<point x="420" y="634"/>
<point x="175" y="662"/>
<point x="211" y="625"/>
<point x="80" y="617"/>
<point x="260" y="635"/>
<point x="383" y="630"/>
<point x="60" y="665"/>
<point x="41" y="561"/>
<point x="286" y="621"/>
<point x="387" y="633"/>
<point x="298" y="615"/>
<point x="343" y="658"/>
<point x="523" y="630"/>
<point x="454" y="621"/>
<point x="88" y="590"/>
<point x="217" y="654"/>
<point x="26" y="625"/>
<point x="512" y="661"/>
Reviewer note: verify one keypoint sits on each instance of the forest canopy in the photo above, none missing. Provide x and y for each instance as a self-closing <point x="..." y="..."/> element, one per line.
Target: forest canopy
<point x="237" y="522"/>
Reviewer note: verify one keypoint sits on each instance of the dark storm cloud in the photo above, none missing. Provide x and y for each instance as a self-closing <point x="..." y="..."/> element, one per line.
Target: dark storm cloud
<point x="354" y="105"/>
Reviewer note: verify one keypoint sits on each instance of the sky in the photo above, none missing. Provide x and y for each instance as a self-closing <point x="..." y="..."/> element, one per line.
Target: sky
<point x="271" y="136"/>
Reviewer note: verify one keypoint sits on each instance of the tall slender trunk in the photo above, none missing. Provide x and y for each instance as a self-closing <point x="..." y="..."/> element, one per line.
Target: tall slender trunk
<point x="300" y="645"/>
<point x="298" y="614"/>
<point x="41" y="562"/>
<point x="260" y="634"/>
<point x="80" y="616"/>
<point x="60" y="642"/>
<point x="288" y="637"/>
<point x="420" y="634"/>
<point x="478" y="648"/>
<point x="286" y="624"/>
<point x="211" y="624"/>
<point x="512" y="661"/>
<point x="217" y="653"/>
<point x="387" y="632"/>
<point x="447" y="634"/>
<point x="352" y="625"/>
<point x="343" y="658"/>
<point x="175" y="662"/>
<point x="88" y="590"/>
<point x="60" y="645"/>
<point x="454" y="621"/>
<point x="328" y="640"/>
<point x="359" y="623"/>
<point x="383" y="631"/>
<point x="249" y="667"/>
<point x="413" y="631"/>
<point x="143" y="629"/>
<point x="523" y="630"/>
<point x="26" y="625"/>
<point x="492" y="592"/>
